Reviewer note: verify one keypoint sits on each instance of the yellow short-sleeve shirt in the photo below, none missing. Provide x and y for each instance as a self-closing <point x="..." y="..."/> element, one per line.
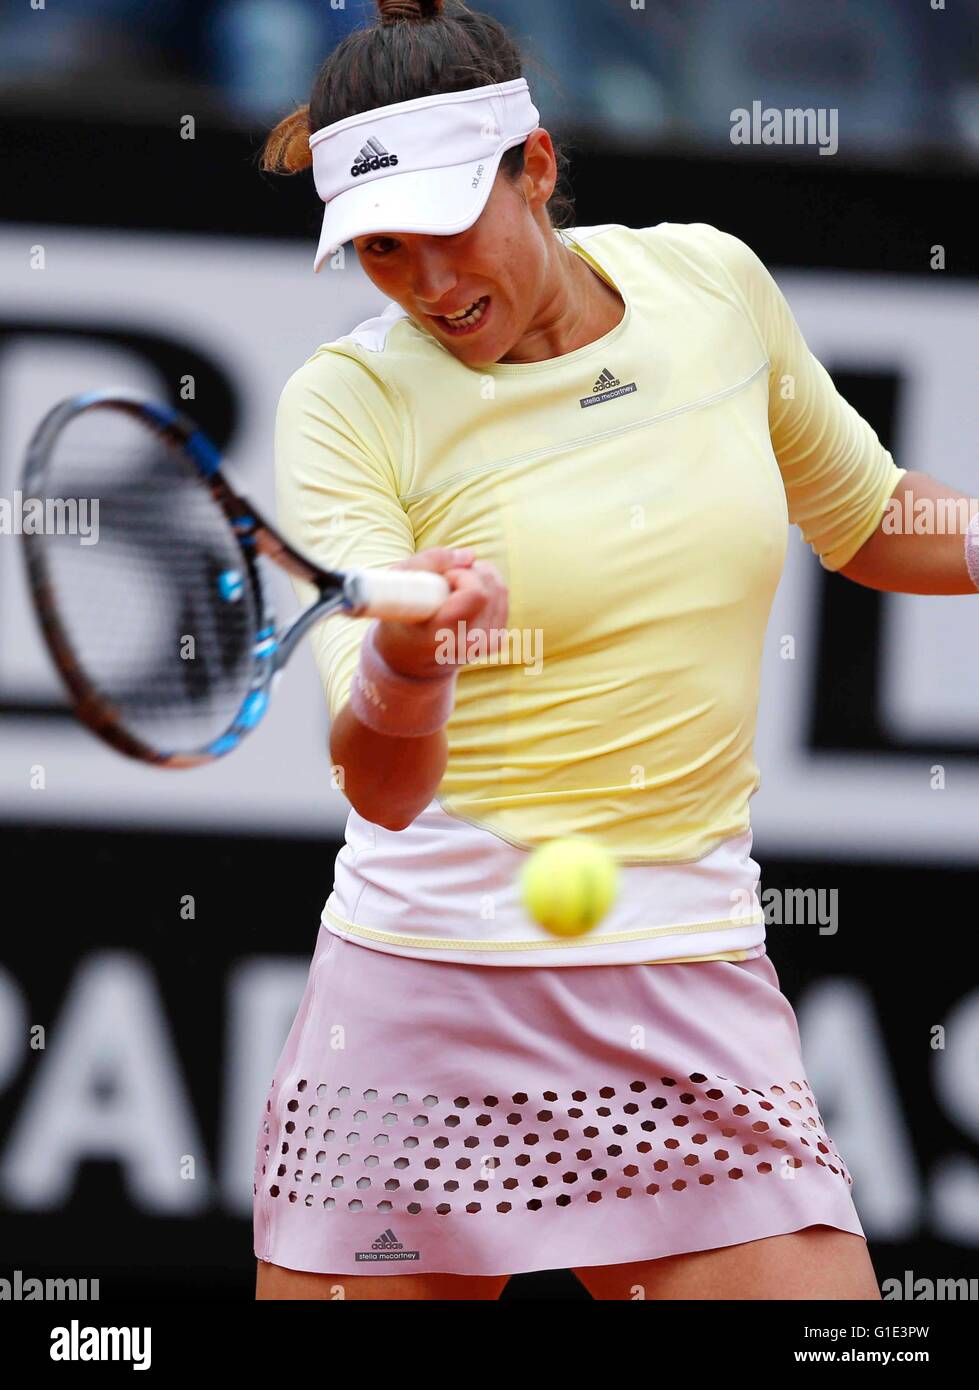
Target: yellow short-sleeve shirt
<point x="635" y="495"/>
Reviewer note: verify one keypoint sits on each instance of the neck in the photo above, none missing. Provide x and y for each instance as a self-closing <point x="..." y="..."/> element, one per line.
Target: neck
<point x="579" y="307"/>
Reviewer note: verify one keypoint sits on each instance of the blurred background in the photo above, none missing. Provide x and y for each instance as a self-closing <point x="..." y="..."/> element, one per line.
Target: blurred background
<point x="158" y="926"/>
<point x="642" y="70"/>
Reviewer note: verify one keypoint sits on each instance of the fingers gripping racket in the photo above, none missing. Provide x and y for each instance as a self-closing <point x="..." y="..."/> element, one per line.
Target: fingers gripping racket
<point x="157" y="617"/>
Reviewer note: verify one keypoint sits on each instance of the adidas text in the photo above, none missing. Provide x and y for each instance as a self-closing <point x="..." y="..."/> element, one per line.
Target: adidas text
<point x="373" y="156"/>
<point x="608" y="387"/>
<point x="387" y="1246"/>
<point x="387" y="161"/>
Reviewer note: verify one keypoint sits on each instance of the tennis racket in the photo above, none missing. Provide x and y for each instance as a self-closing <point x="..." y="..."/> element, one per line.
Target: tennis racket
<point x="154" y="610"/>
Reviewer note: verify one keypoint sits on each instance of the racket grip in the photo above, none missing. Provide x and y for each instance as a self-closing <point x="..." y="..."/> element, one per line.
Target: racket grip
<point x="407" y="596"/>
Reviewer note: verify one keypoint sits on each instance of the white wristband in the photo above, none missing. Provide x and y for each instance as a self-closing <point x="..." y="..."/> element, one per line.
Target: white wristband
<point x="398" y="705"/>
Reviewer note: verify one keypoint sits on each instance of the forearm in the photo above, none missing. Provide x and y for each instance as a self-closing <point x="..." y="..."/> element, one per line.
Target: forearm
<point x="387" y="780"/>
<point x="919" y="547"/>
<point x="389" y="738"/>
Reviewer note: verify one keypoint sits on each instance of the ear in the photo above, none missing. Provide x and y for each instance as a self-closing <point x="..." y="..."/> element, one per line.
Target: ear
<point x="540" y="168"/>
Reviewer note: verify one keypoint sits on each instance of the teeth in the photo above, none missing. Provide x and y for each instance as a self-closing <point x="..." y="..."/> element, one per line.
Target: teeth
<point x="465" y="318"/>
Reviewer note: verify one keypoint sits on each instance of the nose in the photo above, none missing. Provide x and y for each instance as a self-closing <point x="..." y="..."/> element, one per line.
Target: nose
<point x="435" y="277"/>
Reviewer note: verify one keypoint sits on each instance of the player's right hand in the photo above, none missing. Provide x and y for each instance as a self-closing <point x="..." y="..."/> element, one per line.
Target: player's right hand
<point x="478" y="599"/>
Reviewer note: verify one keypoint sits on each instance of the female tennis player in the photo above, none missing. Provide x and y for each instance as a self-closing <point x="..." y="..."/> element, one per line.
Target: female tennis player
<point x="598" y="436"/>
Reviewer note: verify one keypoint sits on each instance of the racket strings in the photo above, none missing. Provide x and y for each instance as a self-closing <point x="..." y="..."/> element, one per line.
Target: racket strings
<point x="156" y="603"/>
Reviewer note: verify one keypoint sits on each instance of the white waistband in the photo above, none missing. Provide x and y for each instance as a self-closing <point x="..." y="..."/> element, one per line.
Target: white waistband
<point x="446" y="889"/>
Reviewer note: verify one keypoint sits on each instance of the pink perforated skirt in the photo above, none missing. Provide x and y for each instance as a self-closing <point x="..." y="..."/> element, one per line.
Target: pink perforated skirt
<point x="435" y="1117"/>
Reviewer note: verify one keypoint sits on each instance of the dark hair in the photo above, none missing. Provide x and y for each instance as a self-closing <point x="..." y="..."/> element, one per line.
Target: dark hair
<point x="416" y="48"/>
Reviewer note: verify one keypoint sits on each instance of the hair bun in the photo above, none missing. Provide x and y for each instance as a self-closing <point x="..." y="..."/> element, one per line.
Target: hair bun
<point x="394" y="10"/>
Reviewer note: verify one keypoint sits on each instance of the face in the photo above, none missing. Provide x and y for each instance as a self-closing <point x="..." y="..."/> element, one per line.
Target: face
<point x="503" y="264"/>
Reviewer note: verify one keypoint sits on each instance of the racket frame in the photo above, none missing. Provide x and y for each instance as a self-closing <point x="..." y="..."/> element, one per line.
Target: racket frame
<point x="254" y="537"/>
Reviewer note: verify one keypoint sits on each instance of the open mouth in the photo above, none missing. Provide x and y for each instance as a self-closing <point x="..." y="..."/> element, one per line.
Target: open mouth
<point x="467" y="320"/>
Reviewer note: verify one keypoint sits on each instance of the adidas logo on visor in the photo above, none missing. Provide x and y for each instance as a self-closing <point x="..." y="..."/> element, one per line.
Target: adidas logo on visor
<point x="372" y="157"/>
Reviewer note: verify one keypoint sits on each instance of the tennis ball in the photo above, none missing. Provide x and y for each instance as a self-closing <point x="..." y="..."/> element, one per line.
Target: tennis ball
<point x="568" y="885"/>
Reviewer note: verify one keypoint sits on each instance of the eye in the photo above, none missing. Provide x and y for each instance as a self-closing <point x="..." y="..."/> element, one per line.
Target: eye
<point x="380" y="246"/>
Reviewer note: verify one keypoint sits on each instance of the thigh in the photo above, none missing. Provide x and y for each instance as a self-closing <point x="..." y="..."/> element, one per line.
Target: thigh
<point x="818" y="1262"/>
<point x="274" y="1282"/>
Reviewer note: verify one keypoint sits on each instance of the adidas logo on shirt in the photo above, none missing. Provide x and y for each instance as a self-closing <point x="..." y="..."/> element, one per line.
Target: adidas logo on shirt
<point x="606" y="381"/>
<point x="387" y="1240"/>
<point x="608" y="387"/>
<point x="372" y="157"/>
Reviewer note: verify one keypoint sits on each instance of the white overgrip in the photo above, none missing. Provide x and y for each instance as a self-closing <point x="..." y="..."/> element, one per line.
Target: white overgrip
<point x="400" y="595"/>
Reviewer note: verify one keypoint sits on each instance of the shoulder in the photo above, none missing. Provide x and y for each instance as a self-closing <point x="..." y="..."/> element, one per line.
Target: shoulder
<point x="694" y="251"/>
<point x="720" y="266"/>
<point x="378" y="334"/>
<point x="692" y="236"/>
<point x="701" y="246"/>
<point x="351" y="372"/>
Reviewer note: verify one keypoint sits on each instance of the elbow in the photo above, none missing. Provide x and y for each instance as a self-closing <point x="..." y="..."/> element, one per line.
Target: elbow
<point x="386" y="815"/>
<point x="388" y="819"/>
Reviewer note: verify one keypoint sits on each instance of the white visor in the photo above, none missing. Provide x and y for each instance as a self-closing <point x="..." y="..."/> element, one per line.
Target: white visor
<point x="425" y="166"/>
